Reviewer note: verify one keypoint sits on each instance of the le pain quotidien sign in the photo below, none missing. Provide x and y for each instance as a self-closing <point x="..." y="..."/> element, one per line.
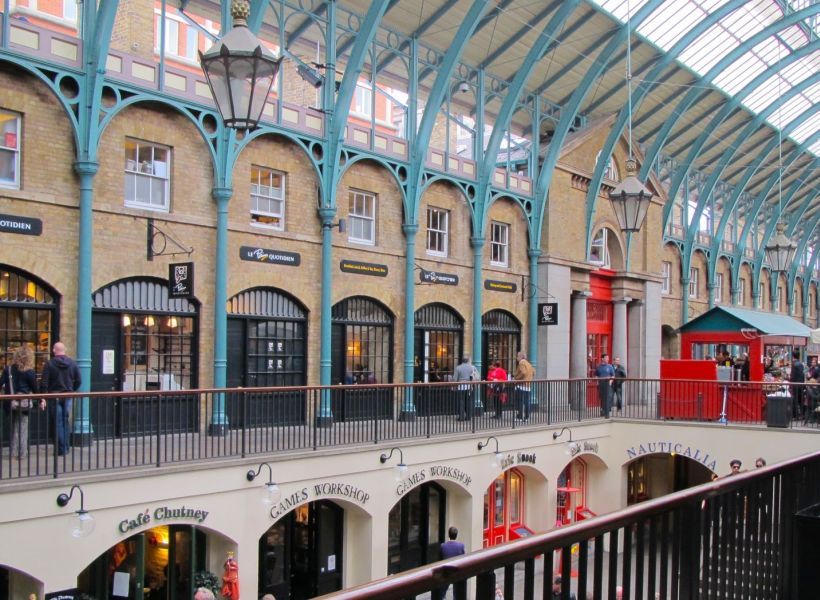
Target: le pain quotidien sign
<point x="500" y="286"/>
<point x="271" y="257"/>
<point x="363" y="268"/>
<point x="21" y="225"/>
<point x="438" y="278"/>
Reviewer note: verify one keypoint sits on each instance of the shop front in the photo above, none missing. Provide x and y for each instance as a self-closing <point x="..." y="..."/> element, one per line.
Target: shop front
<point x="501" y="340"/>
<point x="143" y="340"/>
<point x="267" y="347"/>
<point x="504" y="508"/>
<point x="301" y="555"/>
<point x="439" y="345"/>
<point x="416" y="528"/>
<point x="656" y="475"/>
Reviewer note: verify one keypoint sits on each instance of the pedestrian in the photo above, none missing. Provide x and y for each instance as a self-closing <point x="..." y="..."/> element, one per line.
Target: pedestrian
<point x="19" y="378"/>
<point x="735" y="465"/>
<point x="61" y="374"/>
<point x="498" y="375"/>
<point x="797" y="377"/>
<point x="524" y="372"/>
<point x="618" y="384"/>
<point x="450" y="549"/>
<point x="464" y="373"/>
<point x="606" y="375"/>
<point x="556" y="589"/>
<point x="760" y="462"/>
<point x="203" y="594"/>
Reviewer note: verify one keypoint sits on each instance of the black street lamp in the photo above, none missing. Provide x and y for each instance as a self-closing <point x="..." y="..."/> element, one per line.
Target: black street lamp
<point x="240" y="72"/>
<point x="630" y="199"/>
<point x="780" y="250"/>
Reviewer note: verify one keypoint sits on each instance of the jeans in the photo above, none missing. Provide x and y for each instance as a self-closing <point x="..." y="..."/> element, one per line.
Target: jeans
<point x="605" y="395"/>
<point x="465" y="404"/>
<point x="522" y="403"/>
<point x="617" y="397"/>
<point x="62" y="427"/>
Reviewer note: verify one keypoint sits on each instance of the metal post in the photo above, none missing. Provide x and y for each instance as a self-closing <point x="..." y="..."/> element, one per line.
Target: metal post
<point x="219" y="417"/>
<point x="408" y="409"/>
<point x="324" y="416"/>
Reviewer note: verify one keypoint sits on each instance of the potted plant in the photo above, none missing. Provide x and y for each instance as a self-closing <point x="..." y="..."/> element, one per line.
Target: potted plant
<point x="206" y="579"/>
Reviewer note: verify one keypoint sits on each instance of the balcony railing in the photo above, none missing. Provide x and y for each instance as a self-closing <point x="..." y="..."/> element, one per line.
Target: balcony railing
<point x="738" y="537"/>
<point x="124" y="430"/>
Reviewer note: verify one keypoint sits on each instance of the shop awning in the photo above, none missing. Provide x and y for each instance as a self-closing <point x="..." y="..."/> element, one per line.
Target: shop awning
<point x="727" y="318"/>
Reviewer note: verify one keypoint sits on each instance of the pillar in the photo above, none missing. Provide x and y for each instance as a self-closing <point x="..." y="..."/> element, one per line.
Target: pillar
<point x="324" y="416"/>
<point x="408" y="409"/>
<point x="219" y="418"/>
<point x="578" y="335"/>
<point x="620" y="331"/>
<point x="554" y="340"/>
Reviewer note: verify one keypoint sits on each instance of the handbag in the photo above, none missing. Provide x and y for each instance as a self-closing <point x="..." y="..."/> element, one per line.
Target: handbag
<point x="23" y="405"/>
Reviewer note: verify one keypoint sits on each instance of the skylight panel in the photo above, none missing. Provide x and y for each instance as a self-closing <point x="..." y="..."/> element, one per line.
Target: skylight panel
<point x="764" y="95"/>
<point x="670" y="23"/>
<point x="618" y="8"/>
<point x="708" y="49"/>
<point x="742" y="71"/>
<point x="792" y="109"/>
<point x="806" y="130"/>
<point x="794" y="36"/>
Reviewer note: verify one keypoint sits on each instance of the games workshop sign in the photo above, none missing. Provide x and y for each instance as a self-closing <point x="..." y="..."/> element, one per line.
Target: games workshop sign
<point x="362" y="268"/>
<point x="21" y="225"/>
<point x="318" y="491"/>
<point x="181" y="280"/>
<point x="499" y="286"/>
<point x="439" y="278"/>
<point x="271" y="257"/>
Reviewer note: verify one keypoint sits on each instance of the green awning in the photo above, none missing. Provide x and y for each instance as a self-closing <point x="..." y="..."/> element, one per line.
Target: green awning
<point x="728" y="318"/>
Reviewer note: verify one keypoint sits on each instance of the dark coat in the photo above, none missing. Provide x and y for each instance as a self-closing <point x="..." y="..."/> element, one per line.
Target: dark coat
<point x="60" y="374"/>
<point x="24" y="382"/>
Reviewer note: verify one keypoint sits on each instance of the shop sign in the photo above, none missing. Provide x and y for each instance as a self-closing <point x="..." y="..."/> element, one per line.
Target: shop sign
<point x="590" y="447"/>
<point x="434" y="472"/>
<point x="362" y="268"/>
<point x="520" y="458"/>
<point x="673" y="448"/>
<point x="64" y="594"/>
<point x="548" y="313"/>
<point x="21" y="225"/>
<point x="272" y="257"/>
<point x="405" y="485"/>
<point x="439" y="278"/>
<point x="162" y="513"/>
<point x="317" y="491"/>
<point x="181" y="280"/>
<point x="499" y="286"/>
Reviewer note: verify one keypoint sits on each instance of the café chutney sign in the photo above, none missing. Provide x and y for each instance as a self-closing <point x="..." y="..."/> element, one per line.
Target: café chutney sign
<point x="21" y="225"/>
<point x="272" y="257"/>
<point x="438" y="278"/>
<point x="499" y="286"/>
<point x="160" y="514"/>
<point x="362" y="268"/>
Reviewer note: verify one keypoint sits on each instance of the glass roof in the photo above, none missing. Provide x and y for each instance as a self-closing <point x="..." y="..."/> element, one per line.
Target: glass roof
<point x="673" y="18"/>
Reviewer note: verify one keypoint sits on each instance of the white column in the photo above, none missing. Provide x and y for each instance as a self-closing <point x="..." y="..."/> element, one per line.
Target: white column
<point x="652" y="331"/>
<point x="554" y="340"/>
<point x="578" y="333"/>
<point x="620" y="331"/>
<point x="636" y="331"/>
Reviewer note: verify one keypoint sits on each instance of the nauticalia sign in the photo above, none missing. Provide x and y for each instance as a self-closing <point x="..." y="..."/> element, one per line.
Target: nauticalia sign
<point x="673" y="448"/>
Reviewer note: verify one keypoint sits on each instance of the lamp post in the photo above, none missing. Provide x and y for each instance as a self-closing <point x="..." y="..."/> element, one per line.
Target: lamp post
<point x="780" y="250"/>
<point x="630" y="199"/>
<point x="240" y="72"/>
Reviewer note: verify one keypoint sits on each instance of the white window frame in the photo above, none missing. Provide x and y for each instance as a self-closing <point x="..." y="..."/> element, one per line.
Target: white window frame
<point x="760" y="291"/>
<point x="177" y="30"/>
<point x="742" y="291"/>
<point x="150" y="170"/>
<point x="361" y="216"/>
<point x="71" y="11"/>
<point x="14" y="137"/>
<point x="718" y="288"/>
<point x="666" y="282"/>
<point x="499" y="244"/>
<point x="438" y="231"/>
<point x="693" y="282"/>
<point x="611" y="170"/>
<point x="601" y="240"/>
<point x="362" y="101"/>
<point x="264" y="194"/>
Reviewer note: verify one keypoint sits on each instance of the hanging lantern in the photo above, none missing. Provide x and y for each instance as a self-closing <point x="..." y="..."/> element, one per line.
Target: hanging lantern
<point x="240" y="72"/>
<point x="630" y="199"/>
<point x="780" y="250"/>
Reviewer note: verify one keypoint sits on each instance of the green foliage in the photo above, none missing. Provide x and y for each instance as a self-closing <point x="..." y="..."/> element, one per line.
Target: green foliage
<point x="208" y="580"/>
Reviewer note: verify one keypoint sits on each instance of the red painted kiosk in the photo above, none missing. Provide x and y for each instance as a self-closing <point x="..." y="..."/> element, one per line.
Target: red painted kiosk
<point x="767" y="338"/>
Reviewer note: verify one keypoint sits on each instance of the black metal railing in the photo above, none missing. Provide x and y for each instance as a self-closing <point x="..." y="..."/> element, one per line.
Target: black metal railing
<point x="738" y="537"/>
<point x="155" y="428"/>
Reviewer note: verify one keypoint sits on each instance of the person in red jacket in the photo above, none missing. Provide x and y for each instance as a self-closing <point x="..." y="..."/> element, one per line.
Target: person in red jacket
<point x="498" y="374"/>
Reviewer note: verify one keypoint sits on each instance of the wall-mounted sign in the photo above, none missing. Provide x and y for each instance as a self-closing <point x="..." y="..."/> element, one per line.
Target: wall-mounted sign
<point x="673" y="448"/>
<point x="181" y="280"/>
<point x="511" y="459"/>
<point x="21" y="225"/>
<point x="362" y="268"/>
<point x="439" y="278"/>
<point x="499" y="286"/>
<point x="63" y="594"/>
<point x="273" y="257"/>
<point x="548" y="313"/>
<point x="325" y="489"/>
<point x="162" y="513"/>
<point x="434" y="472"/>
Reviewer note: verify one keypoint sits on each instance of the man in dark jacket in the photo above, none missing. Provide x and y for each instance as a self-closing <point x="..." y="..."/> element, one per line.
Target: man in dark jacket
<point x="450" y="549"/>
<point x="61" y="374"/>
<point x="618" y="384"/>
<point x="797" y="375"/>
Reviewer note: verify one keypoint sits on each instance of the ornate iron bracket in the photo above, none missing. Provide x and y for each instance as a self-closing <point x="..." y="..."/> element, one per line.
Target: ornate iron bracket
<point x="158" y="243"/>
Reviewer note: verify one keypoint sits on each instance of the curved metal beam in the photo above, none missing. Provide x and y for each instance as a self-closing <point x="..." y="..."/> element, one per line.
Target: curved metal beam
<point x="569" y="111"/>
<point x="646" y="86"/>
<point x="696" y="91"/>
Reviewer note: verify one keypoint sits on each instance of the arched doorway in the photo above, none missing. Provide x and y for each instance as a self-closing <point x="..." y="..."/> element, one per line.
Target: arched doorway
<point x="670" y="344"/>
<point x="656" y="475"/>
<point x="416" y="528"/>
<point x="143" y="340"/>
<point x="439" y="342"/>
<point x="29" y="313"/>
<point x="300" y="556"/>
<point x="599" y="319"/>
<point x="157" y="563"/>
<point x="267" y="347"/>
<point x="361" y="353"/>
<point x="500" y="339"/>
<point x="504" y="508"/>
<point x="571" y="501"/>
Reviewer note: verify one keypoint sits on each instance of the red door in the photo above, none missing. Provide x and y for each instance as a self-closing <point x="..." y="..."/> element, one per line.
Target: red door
<point x="503" y="507"/>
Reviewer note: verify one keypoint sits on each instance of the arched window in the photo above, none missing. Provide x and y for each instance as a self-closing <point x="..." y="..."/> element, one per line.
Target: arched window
<point x="611" y="171"/>
<point x="599" y="252"/>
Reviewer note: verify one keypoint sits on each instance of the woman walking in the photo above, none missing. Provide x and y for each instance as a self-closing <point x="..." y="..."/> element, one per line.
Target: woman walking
<point x="19" y="378"/>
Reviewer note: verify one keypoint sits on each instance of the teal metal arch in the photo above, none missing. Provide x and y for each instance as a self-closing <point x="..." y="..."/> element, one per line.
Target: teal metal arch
<point x="571" y="109"/>
<point x="466" y="188"/>
<point x="693" y="94"/>
<point x="753" y="126"/>
<point x="304" y="144"/>
<point x="647" y="85"/>
<point x="352" y="158"/>
<point x="793" y="273"/>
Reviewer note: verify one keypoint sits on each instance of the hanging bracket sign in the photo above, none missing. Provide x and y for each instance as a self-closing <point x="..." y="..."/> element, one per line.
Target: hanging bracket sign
<point x="548" y="313"/>
<point x="181" y="280"/>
